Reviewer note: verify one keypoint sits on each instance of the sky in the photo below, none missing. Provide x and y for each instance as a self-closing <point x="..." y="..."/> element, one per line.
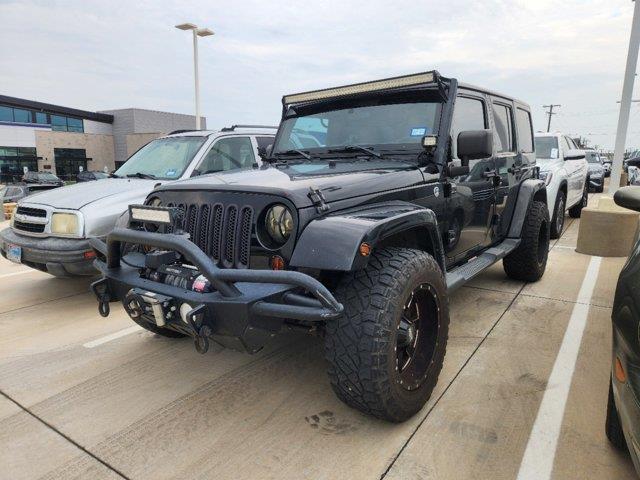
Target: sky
<point x="100" y="55"/>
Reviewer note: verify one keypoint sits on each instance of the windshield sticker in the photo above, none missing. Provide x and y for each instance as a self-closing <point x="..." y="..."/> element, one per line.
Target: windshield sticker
<point x="171" y="173"/>
<point x="418" y="131"/>
<point x="554" y="153"/>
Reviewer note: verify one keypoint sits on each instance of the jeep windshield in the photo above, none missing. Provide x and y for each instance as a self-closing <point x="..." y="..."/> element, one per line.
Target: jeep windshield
<point x="163" y="159"/>
<point x="369" y="129"/>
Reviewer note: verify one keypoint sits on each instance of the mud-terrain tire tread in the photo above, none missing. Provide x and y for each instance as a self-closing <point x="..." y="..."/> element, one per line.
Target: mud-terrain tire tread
<point x="613" y="427"/>
<point x="522" y="264"/>
<point x="357" y="344"/>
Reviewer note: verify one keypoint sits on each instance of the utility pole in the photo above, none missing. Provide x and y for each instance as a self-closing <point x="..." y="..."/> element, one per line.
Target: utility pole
<point x="550" y="112"/>
<point x="625" y="103"/>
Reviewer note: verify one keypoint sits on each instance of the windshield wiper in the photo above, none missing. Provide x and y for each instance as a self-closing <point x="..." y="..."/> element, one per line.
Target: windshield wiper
<point x="142" y="175"/>
<point x="113" y="175"/>
<point x="356" y="148"/>
<point x="295" y="151"/>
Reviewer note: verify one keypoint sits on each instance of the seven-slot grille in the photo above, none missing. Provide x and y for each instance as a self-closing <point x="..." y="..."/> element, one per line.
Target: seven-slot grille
<point x="34" y="226"/>
<point x="223" y="232"/>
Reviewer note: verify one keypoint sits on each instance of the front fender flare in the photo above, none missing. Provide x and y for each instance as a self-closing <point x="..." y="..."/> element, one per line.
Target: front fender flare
<point x="529" y="188"/>
<point x="332" y="242"/>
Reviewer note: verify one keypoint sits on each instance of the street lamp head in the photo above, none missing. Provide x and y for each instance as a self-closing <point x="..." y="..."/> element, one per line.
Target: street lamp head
<point x="204" y="32"/>
<point x="186" y="26"/>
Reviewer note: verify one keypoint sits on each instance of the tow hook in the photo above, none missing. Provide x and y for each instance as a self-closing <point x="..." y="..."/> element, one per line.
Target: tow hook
<point x="202" y="332"/>
<point x="101" y="290"/>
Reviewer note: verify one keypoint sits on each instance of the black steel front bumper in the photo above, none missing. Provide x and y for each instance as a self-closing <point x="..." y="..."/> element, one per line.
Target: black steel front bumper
<point x="244" y="309"/>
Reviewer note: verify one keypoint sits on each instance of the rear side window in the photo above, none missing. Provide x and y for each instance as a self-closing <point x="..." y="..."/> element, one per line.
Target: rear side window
<point x="525" y="131"/>
<point x="503" y="135"/>
<point x="469" y="114"/>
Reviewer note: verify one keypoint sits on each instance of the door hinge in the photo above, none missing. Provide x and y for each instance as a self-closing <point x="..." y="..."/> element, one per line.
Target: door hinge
<point x="318" y="200"/>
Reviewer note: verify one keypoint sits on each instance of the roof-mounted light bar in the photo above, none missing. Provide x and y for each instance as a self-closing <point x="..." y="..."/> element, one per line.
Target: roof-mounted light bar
<point x="389" y="83"/>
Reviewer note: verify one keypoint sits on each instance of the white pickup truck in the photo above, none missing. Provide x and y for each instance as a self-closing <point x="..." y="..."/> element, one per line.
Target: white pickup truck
<point x="564" y="169"/>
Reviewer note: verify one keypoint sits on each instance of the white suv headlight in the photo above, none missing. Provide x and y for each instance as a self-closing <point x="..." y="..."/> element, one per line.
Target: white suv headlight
<point x="546" y="176"/>
<point x="65" y="224"/>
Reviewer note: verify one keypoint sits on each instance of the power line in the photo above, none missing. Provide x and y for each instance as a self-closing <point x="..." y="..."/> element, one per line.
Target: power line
<point x="550" y="113"/>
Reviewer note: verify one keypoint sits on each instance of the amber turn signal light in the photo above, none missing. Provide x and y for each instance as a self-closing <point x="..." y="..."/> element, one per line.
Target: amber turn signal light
<point x="621" y="376"/>
<point x="365" y="249"/>
<point x="89" y="254"/>
<point x="277" y="262"/>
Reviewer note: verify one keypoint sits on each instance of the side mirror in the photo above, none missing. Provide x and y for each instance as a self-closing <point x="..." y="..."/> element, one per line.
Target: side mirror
<point x="265" y="152"/>
<point x="474" y="144"/>
<point x="628" y="197"/>
<point x="574" y="154"/>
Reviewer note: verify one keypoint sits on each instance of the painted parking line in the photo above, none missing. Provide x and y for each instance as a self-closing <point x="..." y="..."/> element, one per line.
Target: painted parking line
<point x="537" y="462"/>
<point x="21" y="272"/>
<point x="113" y="336"/>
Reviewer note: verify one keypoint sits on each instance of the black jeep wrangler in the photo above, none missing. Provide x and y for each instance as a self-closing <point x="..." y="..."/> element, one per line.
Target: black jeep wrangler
<point x="375" y="201"/>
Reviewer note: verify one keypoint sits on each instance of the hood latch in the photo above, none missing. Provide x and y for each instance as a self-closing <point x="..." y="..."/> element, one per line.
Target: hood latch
<point x="317" y="197"/>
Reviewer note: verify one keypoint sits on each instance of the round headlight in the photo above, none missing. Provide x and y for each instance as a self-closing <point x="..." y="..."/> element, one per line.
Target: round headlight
<point x="279" y="223"/>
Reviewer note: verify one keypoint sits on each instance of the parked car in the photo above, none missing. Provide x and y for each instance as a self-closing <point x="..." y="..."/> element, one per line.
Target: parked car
<point x="42" y="178"/>
<point x="565" y="171"/>
<point x="346" y="238"/>
<point x="596" y="171"/>
<point x="623" y="411"/>
<point x="50" y="231"/>
<point x="14" y="192"/>
<point x="90" y="176"/>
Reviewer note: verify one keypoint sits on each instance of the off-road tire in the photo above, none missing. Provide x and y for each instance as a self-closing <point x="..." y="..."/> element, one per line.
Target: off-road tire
<point x="528" y="262"/>
<point x="561" y="203"/>
<point x="576" y="210"/>
<point x="612" y="426"/>
<point x="360" y="346"/>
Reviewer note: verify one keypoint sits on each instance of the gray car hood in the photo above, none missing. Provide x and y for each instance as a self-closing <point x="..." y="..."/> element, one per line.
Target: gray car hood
<point x="82" y="194"/>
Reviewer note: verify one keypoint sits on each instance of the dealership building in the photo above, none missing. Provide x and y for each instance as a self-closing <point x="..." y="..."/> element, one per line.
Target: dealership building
<point x="64" y="141"/>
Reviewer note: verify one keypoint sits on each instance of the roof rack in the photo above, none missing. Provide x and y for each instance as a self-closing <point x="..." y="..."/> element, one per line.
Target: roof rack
<point x="233" y="127"/>
<point x="183" y="131"/>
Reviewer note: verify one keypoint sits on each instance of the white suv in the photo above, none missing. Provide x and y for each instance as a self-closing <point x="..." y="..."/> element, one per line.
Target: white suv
<point x="564" y="169"/>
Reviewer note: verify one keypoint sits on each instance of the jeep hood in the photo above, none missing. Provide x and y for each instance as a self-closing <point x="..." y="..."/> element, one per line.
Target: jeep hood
<point x="285" y="183"/>
<point x="81" y="195"/>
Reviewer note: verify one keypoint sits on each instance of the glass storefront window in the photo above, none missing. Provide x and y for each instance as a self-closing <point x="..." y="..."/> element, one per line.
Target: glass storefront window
<point x="41" y="117"/>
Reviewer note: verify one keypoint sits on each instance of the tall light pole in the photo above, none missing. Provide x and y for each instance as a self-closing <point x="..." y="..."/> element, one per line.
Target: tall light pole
<point x="625" y="101"/>
<point x="197" y="32"/>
